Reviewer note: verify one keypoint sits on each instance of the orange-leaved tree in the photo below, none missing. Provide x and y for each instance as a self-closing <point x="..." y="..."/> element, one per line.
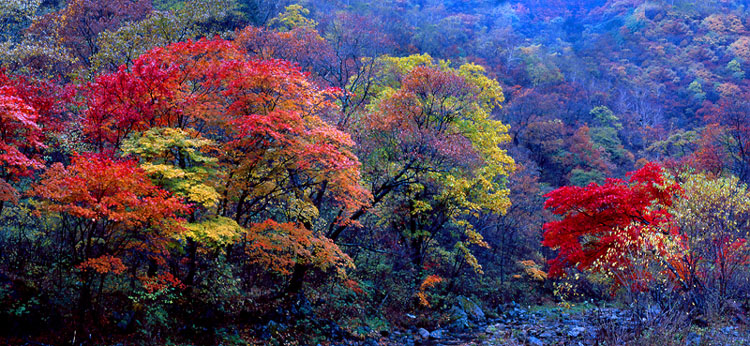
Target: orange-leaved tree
<point x="108" y="218"/>
<point x="242" y="138"/>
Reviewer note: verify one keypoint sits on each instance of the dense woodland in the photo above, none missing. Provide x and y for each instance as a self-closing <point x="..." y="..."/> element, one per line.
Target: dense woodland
<point x="333" y="171"/>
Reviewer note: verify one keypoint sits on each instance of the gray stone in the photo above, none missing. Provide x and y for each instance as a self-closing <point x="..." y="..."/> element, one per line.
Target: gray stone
<point x="693" y="339"/>
<point x="547" y="335"/>
<point x="459" y="319"/>
<point x="436" y="334"/>
<point x="534" y="341"/>
<point x="471" y="308"/>
<point x="424" y="333"/>
<point x="576" y="331"/>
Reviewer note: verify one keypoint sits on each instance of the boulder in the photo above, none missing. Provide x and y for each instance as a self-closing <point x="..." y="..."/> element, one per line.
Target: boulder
<point x="423" y="333"/>
<point x="535" y="341"/>
<point x="576" y="331"/>
<point x="547" y="335"/>
<point x="693" y="339"/>
<point x="495" y="328"/>
<point x="459" y="320"/>
<point x="471" y="308"/>
<point x="436" y="334"/>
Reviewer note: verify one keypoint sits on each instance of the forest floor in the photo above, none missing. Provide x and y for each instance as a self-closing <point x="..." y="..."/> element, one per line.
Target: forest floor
<point x="544" y="325"/>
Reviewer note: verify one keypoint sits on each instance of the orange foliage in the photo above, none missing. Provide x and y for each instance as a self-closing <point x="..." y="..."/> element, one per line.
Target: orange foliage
<point x="160" y="282"/>
<point x="428" y="282"/>
<point x="279" y="246"/>
<point x="120" y="208"/>
<point x="103" y="264"/>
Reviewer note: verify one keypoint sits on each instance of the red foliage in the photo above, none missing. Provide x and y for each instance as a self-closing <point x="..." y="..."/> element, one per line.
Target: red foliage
<point x="420" y="116"/>
<point x="174" y="86"/>
<point x="103" y="264"/>
<point x="44" y="96"/>
<point x="116" y="200"/>
<point x="161" y="282"/>
<point x="607" y="223"/>
<point x="20" y="136"/>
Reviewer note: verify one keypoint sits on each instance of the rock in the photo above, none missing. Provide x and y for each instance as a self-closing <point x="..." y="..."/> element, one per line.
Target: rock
<point x="576" y="331"/>
<point x="459" y="319"/>
<point x="370" y="342"/>
<point x="411" y="316"/>
<point x="547" y="335"/>
<point x="334" y="330"/>
<point x="693" y="339"/>
<point x="436" y="334"/>
<point x="730" y="330"/>
<point x="301" y="307"/>
<point x="272" y="329"/>
<point x="534" y="341"/>
<point x="471" y="308"/>
<point x="495" y="328"/>
<point x="424" y="333"/>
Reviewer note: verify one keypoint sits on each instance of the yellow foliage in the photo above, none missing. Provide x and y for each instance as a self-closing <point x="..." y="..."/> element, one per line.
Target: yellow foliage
<point x="214" y="232"/>
<point x="294" y="16"/>
<point x="172" y="157"/>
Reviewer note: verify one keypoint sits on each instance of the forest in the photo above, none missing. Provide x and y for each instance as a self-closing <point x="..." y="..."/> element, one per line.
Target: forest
<point x="357" y="172"/>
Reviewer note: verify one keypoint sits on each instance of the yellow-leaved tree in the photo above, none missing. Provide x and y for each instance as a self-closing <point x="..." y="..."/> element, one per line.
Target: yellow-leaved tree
<point x="432" y="156"/>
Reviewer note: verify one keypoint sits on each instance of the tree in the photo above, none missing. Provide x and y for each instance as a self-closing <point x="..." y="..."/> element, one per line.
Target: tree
<point x="279" y="173"/>
<point x="20" y="140"/>
<point x="112" y="220"/>
<point x="78" y="25"/>
<point x="610" y="228"/>
<point x="165" y="87"/>
<point x="711" y="253"/>
<point x="192" y="19"/>
<point x="16" y="13"/>
<point x="293" y="17"/>
<point x="432" y="155"/>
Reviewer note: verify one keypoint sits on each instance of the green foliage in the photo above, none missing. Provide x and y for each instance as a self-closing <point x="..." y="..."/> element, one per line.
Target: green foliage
<point x="735" y="68"/>
<point x="579" y="177"/>
<point x="293" y="17"/>
<point x="186" y="19"/>
<point x="605" y="117"/>
<point x="696" y="89"/>
<point x="608" y="138"/>
<point x="155" y="319"/>
<point x="540" y="66"/>
<point x="679" y="144"/>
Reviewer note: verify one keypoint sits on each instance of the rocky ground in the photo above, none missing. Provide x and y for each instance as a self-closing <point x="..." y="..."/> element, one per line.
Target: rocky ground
<point x="513" y="324"/>
<point x="557" y="326"/>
